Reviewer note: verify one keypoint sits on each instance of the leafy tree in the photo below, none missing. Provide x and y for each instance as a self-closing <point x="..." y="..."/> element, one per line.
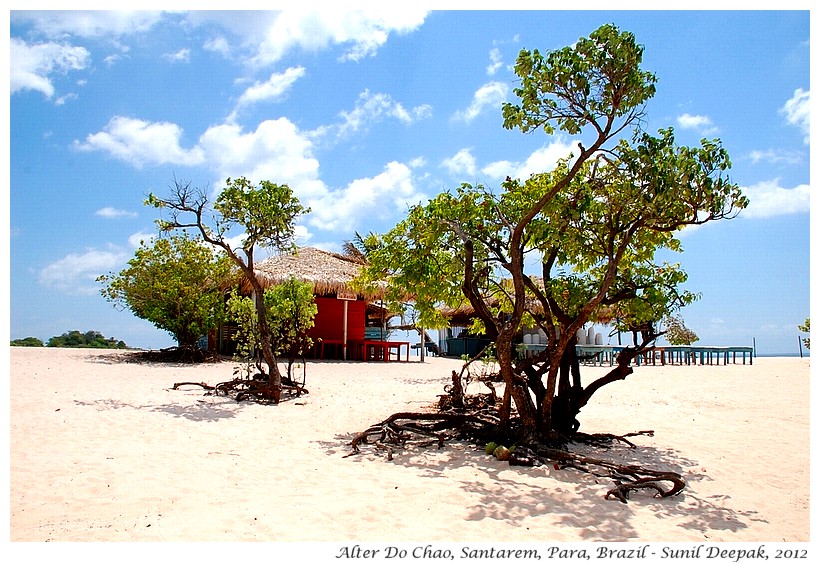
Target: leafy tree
<point x="677" y="333"/>
<point x="94" y="339"/>
<point x="593" y="224"/>
<point x="805" y="327"/>
<point x="290" y="307"/>
<point x="265" y="214"/>
<point x="175" y="283"/>
<point x="27" y="342"/>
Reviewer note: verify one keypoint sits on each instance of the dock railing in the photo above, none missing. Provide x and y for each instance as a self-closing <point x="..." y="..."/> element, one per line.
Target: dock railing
<point x="659" y="355"/>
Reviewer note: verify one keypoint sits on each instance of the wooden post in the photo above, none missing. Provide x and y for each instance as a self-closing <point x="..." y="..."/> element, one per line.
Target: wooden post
<point x="344" y="337"/>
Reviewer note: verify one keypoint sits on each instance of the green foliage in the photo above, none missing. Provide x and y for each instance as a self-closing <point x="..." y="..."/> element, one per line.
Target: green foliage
<point x="290" y="309"/>
<point x="805" y="327"/>
<point x="595" y="222"/>
<point x="677" y="333"/>
<point x="266" y="216"/>
<point x="175" y="283"/>
<point x="27" y="342"/>
<point x="75" y="338"/>
<point x="596" y="78"/>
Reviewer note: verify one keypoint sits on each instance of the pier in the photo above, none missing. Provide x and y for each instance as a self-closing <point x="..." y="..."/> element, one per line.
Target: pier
<point x="660" y="355"/>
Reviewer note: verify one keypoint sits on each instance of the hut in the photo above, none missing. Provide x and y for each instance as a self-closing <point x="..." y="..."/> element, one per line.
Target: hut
<point x="345" y="317"/>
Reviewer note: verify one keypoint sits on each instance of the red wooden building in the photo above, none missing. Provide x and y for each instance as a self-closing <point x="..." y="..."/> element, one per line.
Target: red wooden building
<point x="348" y="324"/>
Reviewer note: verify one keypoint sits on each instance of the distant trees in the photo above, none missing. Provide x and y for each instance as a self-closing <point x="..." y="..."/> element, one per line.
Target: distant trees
<point x="265" y="216"/>
<point x="27" y="342"/>
<point x="174" y="282"/>
<point x="75" y="338"/>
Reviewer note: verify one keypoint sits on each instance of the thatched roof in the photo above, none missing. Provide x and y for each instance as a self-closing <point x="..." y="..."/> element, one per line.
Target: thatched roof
<point x="463" y="314"/>
<point x="329" y="272"/>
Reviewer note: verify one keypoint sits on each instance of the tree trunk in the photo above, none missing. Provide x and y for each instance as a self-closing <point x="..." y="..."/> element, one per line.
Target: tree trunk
<point x="516" y="386"/>
<point x="275" y="377"/>
<point x="567" y="403"/>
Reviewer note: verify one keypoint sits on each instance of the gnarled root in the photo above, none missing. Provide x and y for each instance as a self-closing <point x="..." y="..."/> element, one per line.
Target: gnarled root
<point x="422" y="429"/>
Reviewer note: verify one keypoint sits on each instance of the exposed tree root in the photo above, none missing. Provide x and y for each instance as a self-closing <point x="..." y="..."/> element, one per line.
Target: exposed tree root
<point x="201" y="384"/>
<point x="241" y="389"/>
<point x="423" y="429"/>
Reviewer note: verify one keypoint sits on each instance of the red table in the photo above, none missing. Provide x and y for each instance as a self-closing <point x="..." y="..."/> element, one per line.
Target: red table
<point x="385" y="347"/>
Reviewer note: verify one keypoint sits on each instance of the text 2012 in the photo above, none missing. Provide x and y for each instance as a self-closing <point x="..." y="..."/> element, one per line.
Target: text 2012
<point x="792" y="553"/>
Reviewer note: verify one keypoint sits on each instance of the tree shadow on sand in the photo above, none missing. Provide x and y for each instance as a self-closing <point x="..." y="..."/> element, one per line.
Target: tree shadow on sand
<point x="152" y="358"/>
<point x="574" y="496"/>
<point x="202" y="411"/>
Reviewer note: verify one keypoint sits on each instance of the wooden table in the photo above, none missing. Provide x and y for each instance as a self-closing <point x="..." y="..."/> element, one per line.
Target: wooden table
<point x="386" y="347"/>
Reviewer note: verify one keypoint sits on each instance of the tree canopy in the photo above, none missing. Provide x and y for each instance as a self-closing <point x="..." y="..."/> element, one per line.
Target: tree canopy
<point x="571" y="245"/>
<point x="174" y="282"/>
<point x="261" y="216"/>
<point x="93" y="339"/>
<point x="30" y="341"/>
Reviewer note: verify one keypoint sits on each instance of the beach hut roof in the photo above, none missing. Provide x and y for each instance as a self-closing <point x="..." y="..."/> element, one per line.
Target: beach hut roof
<point x="329" y="272"/>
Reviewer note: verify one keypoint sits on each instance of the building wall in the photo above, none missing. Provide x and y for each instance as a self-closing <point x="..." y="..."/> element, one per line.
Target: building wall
<point x="329" y="320"/>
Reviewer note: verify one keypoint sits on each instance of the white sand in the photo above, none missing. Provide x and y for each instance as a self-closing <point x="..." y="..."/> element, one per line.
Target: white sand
<point x="102" y="449"/>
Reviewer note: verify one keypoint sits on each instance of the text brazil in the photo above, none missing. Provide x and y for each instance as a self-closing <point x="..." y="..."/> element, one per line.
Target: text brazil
<point x="644" y="552"/>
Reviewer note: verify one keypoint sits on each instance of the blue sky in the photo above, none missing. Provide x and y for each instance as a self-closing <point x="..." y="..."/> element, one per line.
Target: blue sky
<point x="366" y="113"/>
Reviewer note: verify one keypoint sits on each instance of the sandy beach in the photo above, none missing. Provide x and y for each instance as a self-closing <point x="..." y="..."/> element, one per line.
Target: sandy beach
<point x="102" y="449"/>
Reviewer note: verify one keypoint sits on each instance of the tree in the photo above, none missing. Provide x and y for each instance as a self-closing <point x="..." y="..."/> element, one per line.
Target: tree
<point x="291" y="308"/>
<point x="94" y="339"/>
<point x="677" y="333"/>
<point x="593" y="224"/>
<point x="27" y="342"/>
<point x="266" y="216"/>
<point x="175" y="283"/>
<point x="805" y="327"/>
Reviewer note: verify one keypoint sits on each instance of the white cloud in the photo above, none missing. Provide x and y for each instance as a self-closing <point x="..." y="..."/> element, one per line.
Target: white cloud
<point x="183" y="55"/>
<point x="32" y="65"/>
<point x="62" y="99"/>
<point x="362" y="32"/>
<point x="372" y="108"/>
<point x="141" y="142"/>
<point x="138" y="237"/>
<point x="700" y="123"/>
<point x="111" y="59"/>
<point x="89" y="23"/>
<point x="112" y="213"/>
<point x="798" y="112"/>
<point x="275" y="151"/>
<point x="769" y="199"/>
<point x="495" y="62"/>
<point x="218" y="45"/>
<point x="462" y="163"/>
<point x="488" y="96"/>
<point x="381" y="197"/>
<point x="273" y="88"/>
<point x="542" y="160"/>
<point x="77" y="273"/>
<point x="778" y="156"/>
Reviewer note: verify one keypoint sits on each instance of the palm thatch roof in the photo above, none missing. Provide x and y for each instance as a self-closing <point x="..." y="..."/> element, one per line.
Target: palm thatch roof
<point x="328" y="272"/>
<point x="464" y="313"/>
